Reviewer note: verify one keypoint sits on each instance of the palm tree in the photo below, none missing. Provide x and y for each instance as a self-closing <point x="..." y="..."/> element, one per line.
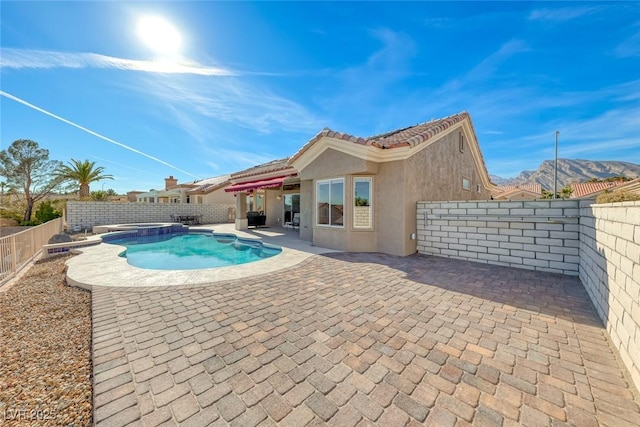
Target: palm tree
<point x="84" y="173"/>
<point x="566" y="191"/>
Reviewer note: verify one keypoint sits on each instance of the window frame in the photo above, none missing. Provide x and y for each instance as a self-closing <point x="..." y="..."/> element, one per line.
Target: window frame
<point x="370" y="206"/>
<point x="461" y="142"/>
<point x="329" y="182"/>
<point x="468" y="181"/>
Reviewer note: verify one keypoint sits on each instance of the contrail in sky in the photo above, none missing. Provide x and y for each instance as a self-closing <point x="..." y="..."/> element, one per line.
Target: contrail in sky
<point x="69" y="122"/>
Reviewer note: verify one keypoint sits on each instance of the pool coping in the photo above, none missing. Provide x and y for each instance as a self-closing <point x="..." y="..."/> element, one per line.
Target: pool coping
<point x="100" y="265"/>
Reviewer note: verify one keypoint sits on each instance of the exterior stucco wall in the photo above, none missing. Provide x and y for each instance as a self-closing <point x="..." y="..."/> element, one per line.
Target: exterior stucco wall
<point x="307" y="213"/>
<point x="335" y="164"/>
<point x="219" y="196"/>
<point x="88" y="214"/>
<point x="389" y="201"/>
<point x="332" y="163"/>
<point x="436" y="173"/>
<point x="610" y="272"/>
<point x="274" y="208"/>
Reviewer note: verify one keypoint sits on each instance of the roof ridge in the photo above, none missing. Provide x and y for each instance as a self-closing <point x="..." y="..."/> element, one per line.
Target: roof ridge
<point x="393" y="132"/>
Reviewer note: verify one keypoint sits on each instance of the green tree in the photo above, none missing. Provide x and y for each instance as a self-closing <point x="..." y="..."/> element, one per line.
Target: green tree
<point x="566" y="191"/>
<point x="29" y="173"/>
<point x="46" y="212"/>
<point x="99" y="196"/>
<point x="83" y="173"/>
<point x="547" y="194"/>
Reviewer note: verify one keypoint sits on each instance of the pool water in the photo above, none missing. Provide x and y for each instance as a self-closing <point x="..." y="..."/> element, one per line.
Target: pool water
<point x="191" y="251"/>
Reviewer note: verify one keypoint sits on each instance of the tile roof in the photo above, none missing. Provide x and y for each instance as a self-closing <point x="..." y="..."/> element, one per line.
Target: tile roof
<point x="632" y="186"/>
<point x="405" y="137"/>
<point x="532" y="188"/>
<point x="210" y="184"/>
<point x="414" y="135"/>
<point x="584" y="189"/>
<point x="272" y="166"/>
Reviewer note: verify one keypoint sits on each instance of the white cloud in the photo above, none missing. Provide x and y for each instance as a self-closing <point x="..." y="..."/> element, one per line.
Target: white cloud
<point x="629" y="47"/>
<point x="230" y="100"/>
<point x="562" y="13"/>
<point x="366" y="85"/>
<point x="23" y="58"/>
<point x="487" y="68"/>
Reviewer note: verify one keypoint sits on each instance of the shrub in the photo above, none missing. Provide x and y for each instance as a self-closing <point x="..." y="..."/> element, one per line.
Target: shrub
<point x="617" y="196"/>
<point x="361" y="201"/>
<point x="46" y="212"/>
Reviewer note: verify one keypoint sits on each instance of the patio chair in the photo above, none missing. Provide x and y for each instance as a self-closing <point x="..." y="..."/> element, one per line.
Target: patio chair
<point x="296" y="220"/>
<point x="256" y="219"/>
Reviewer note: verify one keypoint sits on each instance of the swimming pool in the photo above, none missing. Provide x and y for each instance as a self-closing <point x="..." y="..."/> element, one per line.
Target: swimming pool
<point x="190" y="251"/>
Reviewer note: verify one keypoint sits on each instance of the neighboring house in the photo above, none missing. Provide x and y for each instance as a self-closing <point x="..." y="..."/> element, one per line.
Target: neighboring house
<point x="632" y="186"/>
<point x="589" y="190"/>
<point x="210" y="191"/>
<point x="207" y="191"/>
<point x="360" y="194"/>
<point x="132" y="196"/>
<point x="518" y="192"/>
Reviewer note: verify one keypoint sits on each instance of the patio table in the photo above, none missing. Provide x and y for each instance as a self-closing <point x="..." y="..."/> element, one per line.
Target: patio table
<point x="189" y="219"/>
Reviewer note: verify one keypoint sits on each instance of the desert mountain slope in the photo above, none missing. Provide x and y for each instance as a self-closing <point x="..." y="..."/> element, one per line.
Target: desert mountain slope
<point x="571" y="171"/>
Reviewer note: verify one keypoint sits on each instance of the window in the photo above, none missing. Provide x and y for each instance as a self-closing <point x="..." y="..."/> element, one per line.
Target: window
<point x="478" y="189"/>
<point x="461" y="142"/>
<point x="466" y="184"/>
<point x="255" y="202"/>
<point x="199" y="199"/>
<point x="330" y="202"/>
<point x="362" y="210"/>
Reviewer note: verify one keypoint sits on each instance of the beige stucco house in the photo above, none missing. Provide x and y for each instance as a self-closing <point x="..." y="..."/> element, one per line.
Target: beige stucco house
<point x="206" y="191"/>
<point x="360" y="194"/>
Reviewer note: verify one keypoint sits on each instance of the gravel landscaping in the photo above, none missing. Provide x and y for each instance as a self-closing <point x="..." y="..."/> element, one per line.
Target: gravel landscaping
<point x="45" y="350"/>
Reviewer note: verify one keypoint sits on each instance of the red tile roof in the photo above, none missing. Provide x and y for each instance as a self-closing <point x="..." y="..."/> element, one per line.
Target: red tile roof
<point x="405" y="137"/>
<point x="584" y="189"/>
<point x="272" y="166"/>
<point x="414" y="135"/>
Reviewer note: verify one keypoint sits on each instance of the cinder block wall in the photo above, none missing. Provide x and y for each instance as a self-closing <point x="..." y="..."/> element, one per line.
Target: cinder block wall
<point x="535" y="235"/>
<point x="88" y="214"/>
<point x="610" y="272"/>
<point x="599" y="243"/>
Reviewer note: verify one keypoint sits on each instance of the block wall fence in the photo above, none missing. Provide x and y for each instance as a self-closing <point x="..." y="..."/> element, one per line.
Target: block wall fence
<point x="598" y="243"/>
<point x="610" y="272"/>
<point x="88" y="214"/>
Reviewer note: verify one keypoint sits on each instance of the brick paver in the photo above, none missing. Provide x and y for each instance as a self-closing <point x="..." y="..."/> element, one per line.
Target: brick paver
<point x="359" y="339"/>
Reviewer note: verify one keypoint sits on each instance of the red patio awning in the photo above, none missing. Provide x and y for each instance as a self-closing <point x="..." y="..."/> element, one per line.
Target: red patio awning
<point x="253" y="185"/>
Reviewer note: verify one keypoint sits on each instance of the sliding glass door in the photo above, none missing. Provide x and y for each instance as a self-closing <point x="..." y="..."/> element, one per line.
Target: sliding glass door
<point x="291" y="207"/>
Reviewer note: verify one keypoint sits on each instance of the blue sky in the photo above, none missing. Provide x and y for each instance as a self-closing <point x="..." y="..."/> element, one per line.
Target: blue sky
<point x="253" y="82"/>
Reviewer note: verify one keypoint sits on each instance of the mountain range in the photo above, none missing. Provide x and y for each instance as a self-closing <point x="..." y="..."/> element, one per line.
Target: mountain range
<point x="571" y="171"/>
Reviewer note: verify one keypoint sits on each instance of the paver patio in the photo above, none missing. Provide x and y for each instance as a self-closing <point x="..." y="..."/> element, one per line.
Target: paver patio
<point x="359" y="339"/>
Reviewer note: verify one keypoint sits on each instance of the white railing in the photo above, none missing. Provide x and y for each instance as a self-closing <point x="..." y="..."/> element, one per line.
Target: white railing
<point x="18" y="249"/>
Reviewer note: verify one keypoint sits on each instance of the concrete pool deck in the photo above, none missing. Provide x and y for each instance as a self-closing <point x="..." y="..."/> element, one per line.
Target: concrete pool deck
<point x="101" y="266"/>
